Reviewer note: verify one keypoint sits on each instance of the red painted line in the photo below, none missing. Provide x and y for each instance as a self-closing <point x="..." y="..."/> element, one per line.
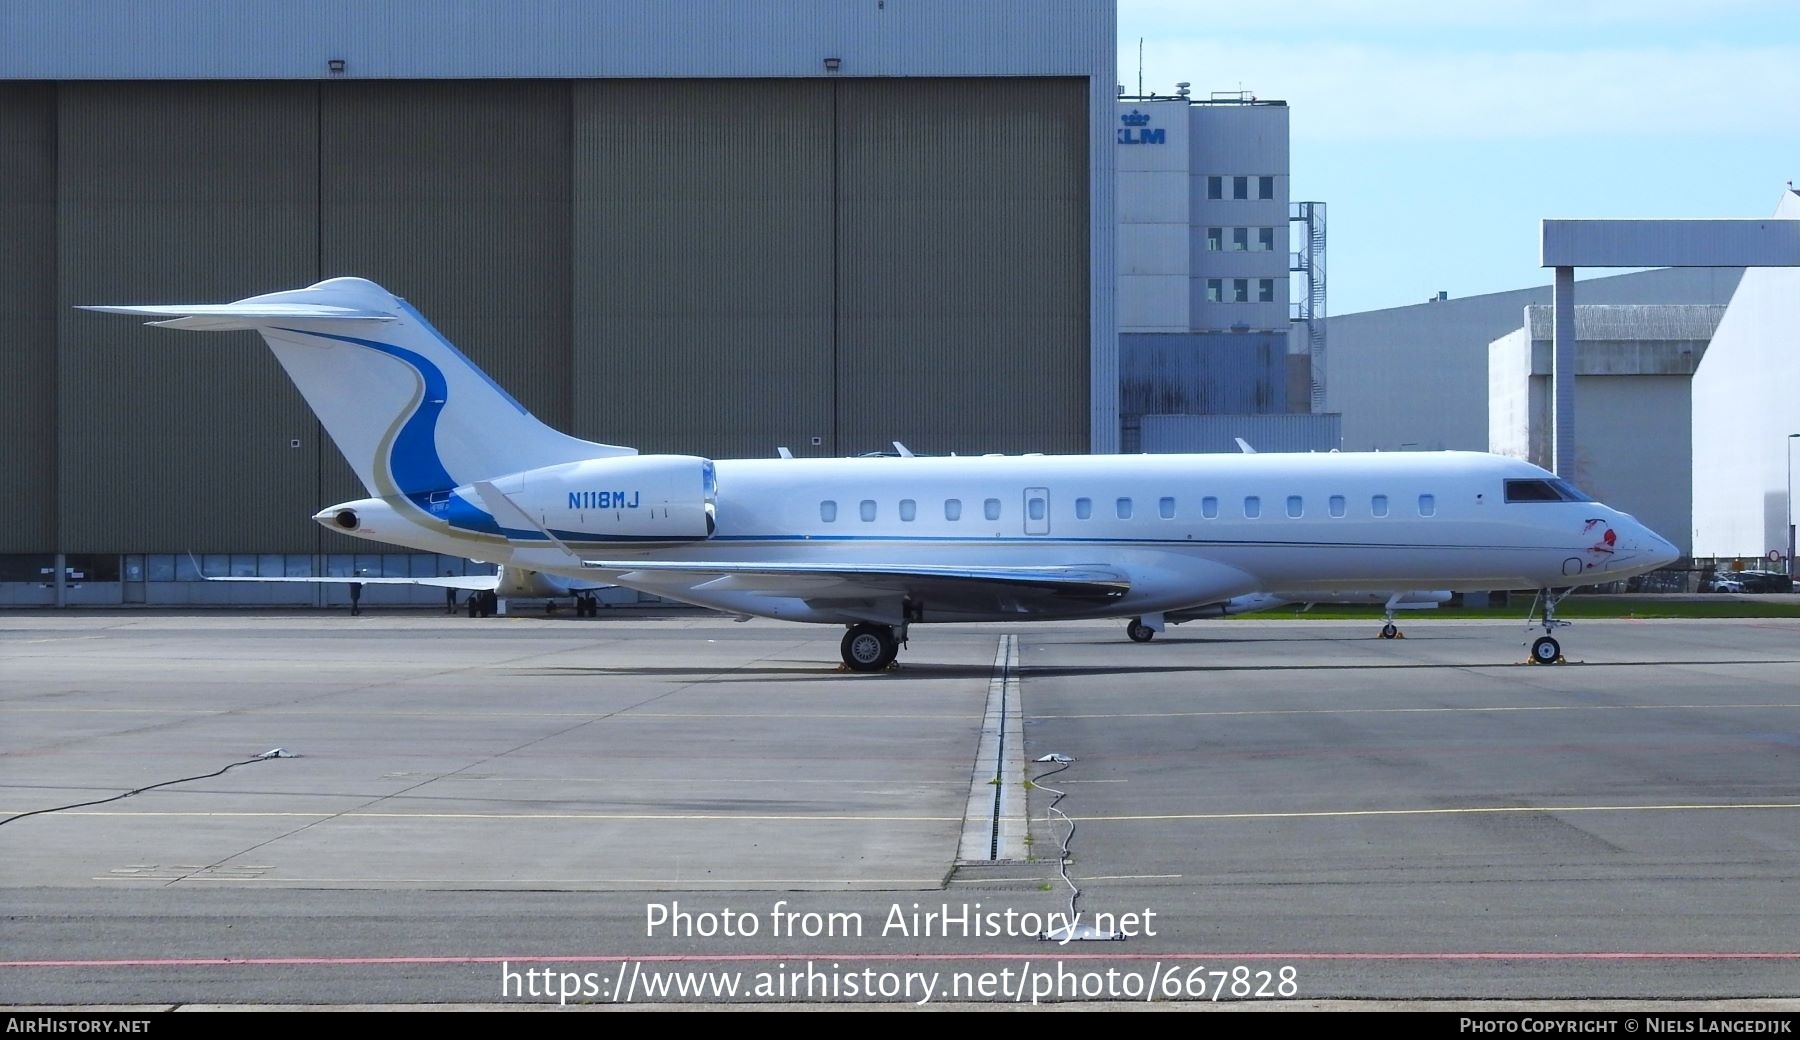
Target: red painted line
<point x="681" y="958"/>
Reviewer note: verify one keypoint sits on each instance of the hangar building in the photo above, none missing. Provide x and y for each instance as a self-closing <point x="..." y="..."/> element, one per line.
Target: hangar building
<point x="716" y="229"/>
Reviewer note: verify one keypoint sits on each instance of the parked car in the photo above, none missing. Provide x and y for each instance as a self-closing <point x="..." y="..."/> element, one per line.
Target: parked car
<point x="1751" y="581"/>
<point x="1765" y="581"/>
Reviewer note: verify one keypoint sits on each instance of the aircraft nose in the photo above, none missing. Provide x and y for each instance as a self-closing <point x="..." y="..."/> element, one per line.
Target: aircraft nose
<point x="1658" y="551"/>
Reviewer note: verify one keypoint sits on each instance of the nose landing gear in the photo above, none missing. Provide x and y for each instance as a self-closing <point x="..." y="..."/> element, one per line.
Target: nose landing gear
<point x="1545" y="649"/>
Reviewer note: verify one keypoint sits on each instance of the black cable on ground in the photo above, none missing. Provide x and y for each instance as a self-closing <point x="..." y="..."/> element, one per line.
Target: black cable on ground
<point x="151" y="787"/>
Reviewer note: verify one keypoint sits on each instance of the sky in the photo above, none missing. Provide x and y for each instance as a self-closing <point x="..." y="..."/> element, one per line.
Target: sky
<point x="1439" y="134"/>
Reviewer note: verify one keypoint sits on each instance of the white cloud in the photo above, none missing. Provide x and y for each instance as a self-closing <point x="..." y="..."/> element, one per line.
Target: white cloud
<point x="1357" y="92"/>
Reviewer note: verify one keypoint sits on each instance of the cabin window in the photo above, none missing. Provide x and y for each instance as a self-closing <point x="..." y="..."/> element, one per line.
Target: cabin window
<point x="1165" y="508"/>
<point x="1252" y="506"/>
<point x="991" y="509"/>
<point x="1378" y="505"/>
<point x="953" y="509"/>
<point x="1336" y="504"/>
<point x="1034" y="508"/>
<point x="1084" y="508"/>
<point x="1124" y="506"/>
<point x="1427" y="505"/>
<point x="868" y="510"/>
<point x="909" y="510"/>
<point x="1209" y="507"/>
<point x="1296" y="507"/>
<point x="828" y="511"/>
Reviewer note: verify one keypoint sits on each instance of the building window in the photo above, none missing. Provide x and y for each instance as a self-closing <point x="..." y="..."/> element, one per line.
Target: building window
<point x="1124" y="508"/>
<point x="1240" y="290"/>
<point x="1337" y="505"/>
<point x="1209" y="507"/>
<point x="1265" y="187"/>
<point x="1165" y="507"/>
<point x="1427" y="505"/>
<point x="1296" y="507"/>
<point x="1215" y="239"/>
<point x="1240" y="239"/>
<point x="1084" y="508"/>
<point x="1240" y="187"/>
<point x="1265" y="240"/>
<point x="953" y="509"/>
<point x="1265" y="290"/>
<point x="1252" y="507"/>
<point x="1215" y="187"/>
<point x="909" y="510"/>
<point x="991" y="509"/>
<point x="828" y="511"/>
<point x="1378" y="505"/>
<point x="868" y="510"/>
<point x="1215" y="290"/>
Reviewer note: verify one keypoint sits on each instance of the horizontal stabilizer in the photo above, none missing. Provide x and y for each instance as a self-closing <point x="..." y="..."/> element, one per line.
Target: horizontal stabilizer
<point x="222" y="317"/>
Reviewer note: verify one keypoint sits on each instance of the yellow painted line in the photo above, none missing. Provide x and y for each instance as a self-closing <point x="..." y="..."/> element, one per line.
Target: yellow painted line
<point x="623" y="817"/>
<point x="1466" y="811"/>
<point x="1415" y="711"/>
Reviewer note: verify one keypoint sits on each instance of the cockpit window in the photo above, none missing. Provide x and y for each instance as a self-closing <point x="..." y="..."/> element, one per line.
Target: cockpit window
<point x="1544" y="491"/>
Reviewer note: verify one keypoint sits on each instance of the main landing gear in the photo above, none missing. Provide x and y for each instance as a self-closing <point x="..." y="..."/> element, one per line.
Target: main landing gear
<point x="871" y="648"/>
<point x="1138" y="632"/>
<point x="587" y="606"/>
<point x="1545" y="649"/>
<point x="483" y="604"/>
<point x="1389" y="630"/>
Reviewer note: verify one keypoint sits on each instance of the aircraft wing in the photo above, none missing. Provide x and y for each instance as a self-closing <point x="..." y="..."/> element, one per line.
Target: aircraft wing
<point x="472" y="582"/>
<point x="1018" y="587"/>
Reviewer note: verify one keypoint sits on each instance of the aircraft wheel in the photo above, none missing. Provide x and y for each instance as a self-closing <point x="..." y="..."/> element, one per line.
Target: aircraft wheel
<point x="1546" y="650"/>
<point x="869" y="648"/>
<point x="1138" y="632"/>
<point x="1390" y="631"/>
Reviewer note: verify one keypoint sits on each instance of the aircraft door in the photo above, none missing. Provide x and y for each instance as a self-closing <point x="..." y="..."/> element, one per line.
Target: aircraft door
<point x="1037" y="510"/>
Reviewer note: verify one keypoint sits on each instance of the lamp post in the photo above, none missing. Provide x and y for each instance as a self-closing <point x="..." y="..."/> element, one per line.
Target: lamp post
<point x="1789" y="445"/>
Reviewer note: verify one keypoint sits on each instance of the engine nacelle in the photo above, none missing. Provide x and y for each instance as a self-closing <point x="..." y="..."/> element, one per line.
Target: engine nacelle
<point x="660" y="498"/>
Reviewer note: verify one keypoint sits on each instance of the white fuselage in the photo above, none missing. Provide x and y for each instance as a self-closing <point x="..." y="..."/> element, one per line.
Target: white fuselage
<point x="1184" y="529"/>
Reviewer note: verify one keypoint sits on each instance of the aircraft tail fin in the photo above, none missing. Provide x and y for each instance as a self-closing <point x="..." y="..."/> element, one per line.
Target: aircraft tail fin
<point x="411" y="414"/>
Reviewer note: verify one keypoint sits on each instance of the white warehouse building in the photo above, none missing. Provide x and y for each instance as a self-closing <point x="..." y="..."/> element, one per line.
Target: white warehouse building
<point x="1747" y="416"/>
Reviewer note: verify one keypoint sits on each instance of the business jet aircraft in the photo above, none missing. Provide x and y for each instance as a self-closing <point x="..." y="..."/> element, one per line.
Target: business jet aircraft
<point x="455" y="465"/>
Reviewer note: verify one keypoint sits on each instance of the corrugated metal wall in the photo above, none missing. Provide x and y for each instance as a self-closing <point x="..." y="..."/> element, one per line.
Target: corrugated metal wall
<point x="176" y="192"/>
<point x="703" y="264"/>
<point x="717" y="267"/>
<point x="962" y="282"/>
<point x="456" y="196"/>
<point x="28" y="315"/>
<point x="1266" y="433"/>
